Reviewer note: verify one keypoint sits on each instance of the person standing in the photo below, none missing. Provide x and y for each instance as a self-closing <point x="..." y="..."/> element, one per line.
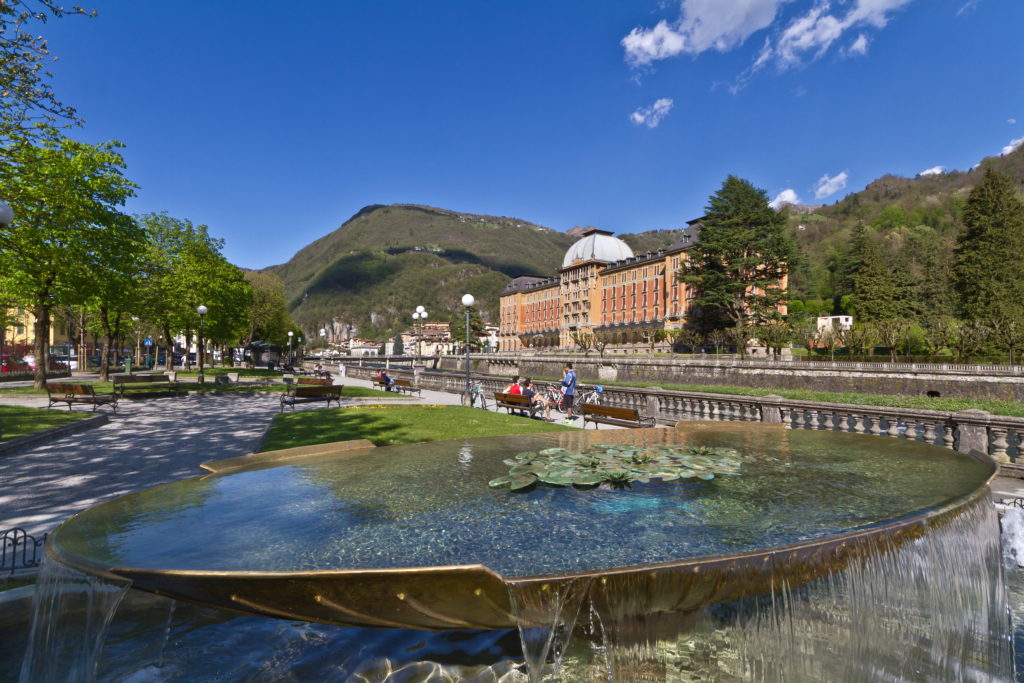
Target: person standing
<point x="568" y="391"/>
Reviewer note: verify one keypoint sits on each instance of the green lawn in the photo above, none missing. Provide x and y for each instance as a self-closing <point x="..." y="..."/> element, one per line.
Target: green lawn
<point x="386" y="425"/>
<point x="22" y="421"/>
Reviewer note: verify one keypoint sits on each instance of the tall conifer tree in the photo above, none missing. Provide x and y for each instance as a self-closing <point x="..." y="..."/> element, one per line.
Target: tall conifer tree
<point x="989" y="252"/>
<point x="738" y="265"/>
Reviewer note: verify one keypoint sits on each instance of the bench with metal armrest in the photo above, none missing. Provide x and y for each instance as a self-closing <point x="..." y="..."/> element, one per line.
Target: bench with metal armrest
<point x="518" y="402"/>
<point x="78" y="393"/>
<point x="610" y="415"/>
<point x="310" y="393"/>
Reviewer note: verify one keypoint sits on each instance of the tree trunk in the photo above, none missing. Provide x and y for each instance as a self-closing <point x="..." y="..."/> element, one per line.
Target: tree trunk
<point x="108" y="340"/>
<point x="169" y="349"/>
<point x="41" y="347"/>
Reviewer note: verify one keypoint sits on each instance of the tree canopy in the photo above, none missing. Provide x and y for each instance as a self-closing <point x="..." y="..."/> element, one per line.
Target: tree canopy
<point x="738" y="265"/>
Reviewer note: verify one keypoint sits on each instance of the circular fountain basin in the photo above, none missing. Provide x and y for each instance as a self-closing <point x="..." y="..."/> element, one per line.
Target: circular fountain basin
<point x="413" y="536"/>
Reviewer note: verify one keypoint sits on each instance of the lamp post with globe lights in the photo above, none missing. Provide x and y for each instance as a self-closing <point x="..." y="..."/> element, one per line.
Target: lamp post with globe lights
<point x="201" y="310"/>
<point x="468" y="301"/>
<point x="6" y="218"/>
<point x="419" y="314"/>
<point x="290" y="335"/>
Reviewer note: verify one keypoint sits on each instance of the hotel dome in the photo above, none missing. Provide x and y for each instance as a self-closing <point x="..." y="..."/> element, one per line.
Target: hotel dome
<point x="596" y="245"/>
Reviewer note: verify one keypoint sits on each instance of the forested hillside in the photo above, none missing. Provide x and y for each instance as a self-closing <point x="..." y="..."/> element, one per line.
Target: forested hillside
<point x="373" y="271"/>
<point x="912" y="223"/>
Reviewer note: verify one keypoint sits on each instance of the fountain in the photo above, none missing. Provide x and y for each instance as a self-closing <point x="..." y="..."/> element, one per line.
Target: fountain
<point x="808" y="555"/>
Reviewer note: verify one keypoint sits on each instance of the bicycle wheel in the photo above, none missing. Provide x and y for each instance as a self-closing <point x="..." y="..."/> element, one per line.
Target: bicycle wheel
<point x="483" y="401"/>
<point x="560" y="404"/>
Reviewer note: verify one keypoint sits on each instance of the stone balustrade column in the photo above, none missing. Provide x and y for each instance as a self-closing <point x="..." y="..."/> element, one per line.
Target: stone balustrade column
<point x="858" y="423"/>
<point x="929" y="432"/>
<point x="844" y="422"/>
<point x="894" y="427"/>
<point x="798" y="418"/>
<point x="876" y="424"/>
<point x="947" y="435"/>
<point x="911" y="433"/>
<point x="815" y="424"/>
<point x="786" y="415"/>
<point x="999" y="444"/>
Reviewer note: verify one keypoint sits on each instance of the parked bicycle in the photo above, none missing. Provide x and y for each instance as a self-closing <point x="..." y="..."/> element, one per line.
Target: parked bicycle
<point x="553" y="395"/>
<point x="474" y="398"/>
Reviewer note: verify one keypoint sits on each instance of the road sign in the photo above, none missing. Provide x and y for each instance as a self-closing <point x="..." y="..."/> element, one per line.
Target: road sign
<point x="147" y="341"/>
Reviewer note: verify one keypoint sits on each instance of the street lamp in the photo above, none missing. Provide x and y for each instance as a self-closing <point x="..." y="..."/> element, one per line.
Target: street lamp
<point x="467" y="301"/>
<point x="419" y="314"/>
<point x="6" y="218"/>
<point x="201" y="310"/>
<point x="290" y="335"/>
<point x="138" y="340"/>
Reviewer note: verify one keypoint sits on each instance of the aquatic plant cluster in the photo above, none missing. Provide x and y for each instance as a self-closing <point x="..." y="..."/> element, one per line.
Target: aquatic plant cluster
<point x="617" y="466"/>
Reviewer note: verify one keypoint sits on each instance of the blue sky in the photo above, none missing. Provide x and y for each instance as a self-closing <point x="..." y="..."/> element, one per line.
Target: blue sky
<point x="274" y="122"/>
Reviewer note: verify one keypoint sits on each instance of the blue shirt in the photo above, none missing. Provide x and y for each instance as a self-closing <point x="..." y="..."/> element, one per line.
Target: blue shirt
<point x="569" y="382"/>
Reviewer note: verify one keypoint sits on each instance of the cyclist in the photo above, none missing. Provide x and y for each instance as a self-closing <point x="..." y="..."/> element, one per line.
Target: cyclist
<point x="568" y="391"/>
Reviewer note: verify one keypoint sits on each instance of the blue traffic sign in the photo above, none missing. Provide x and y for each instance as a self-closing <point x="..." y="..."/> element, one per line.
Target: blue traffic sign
<point x="147" y="341"/>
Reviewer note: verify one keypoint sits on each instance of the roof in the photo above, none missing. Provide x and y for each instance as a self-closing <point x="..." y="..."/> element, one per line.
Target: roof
<point x="596" y="245"/>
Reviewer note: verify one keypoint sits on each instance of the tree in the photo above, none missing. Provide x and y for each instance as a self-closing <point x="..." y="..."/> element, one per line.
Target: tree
<point x="601" y="340"/>
<point x="989" y="251"/>
<point x="718" y="338"/>
<point x="774" y="334"/>
<point x="892" y="333"/>
<point x="268" y="316"/>
<point x="458" y="327"/>
<point x="969" y="336"/>
<point x="584" y="341"/>
<point x="938" y="332"/>
<point x="741" y="259"/>
<point x="874" y="291"/>
<point x="1008" y="335"/>
<point x="24" y="77"/>
<point x="831" y="338"/>
<point x="863" y="336"/>
<point x="68" y="227"/>
<point x="689" y="338"/>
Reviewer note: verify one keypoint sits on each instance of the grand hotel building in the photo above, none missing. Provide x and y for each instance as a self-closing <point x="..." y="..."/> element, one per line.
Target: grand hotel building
<point x="602" y="287"/>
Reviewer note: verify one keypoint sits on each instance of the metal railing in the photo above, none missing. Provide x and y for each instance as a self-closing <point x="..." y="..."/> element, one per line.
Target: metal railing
<point x="19" y="550"/>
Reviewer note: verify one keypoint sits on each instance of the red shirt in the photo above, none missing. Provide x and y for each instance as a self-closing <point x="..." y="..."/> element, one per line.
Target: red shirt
<point x="514" y="389"/>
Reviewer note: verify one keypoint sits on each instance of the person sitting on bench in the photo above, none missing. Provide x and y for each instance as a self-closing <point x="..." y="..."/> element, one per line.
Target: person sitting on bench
<point x="388" y="382"/>
<point x="535" y="398"/>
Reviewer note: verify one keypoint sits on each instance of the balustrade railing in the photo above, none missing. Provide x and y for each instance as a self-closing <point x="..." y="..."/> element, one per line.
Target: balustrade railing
<point x="998" y="436"/>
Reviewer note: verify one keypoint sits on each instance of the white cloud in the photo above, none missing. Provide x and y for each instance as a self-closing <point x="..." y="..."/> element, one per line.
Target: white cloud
<point x="828" y="186"/>
<point x="1014" y="144"/>
<point x="651" y="116"/>
<point x="934" y="170"/>
<point x="968" y="6"/>
<point x="1011" y="121"/>
<point x="859" y="46"/>
<point x="787" y="196"/>
<point x="702" y="25"/>
<point x="810" y="36"/>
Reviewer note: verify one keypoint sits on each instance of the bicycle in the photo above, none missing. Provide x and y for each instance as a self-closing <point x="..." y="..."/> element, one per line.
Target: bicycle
<point x="474" y="398"/>
<point x="593" y="397"/>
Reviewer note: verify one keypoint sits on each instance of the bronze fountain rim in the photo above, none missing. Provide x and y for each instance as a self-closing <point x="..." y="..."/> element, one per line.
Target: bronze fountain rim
<point x="926" y="517"/>
<point x="890" y="527"/>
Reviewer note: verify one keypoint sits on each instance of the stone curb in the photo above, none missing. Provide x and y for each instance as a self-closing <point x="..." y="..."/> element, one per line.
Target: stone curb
<point x="23" y="442"/>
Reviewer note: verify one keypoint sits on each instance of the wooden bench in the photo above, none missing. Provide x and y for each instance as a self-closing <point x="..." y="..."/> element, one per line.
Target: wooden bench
<point x="610" y="415"/>
<point x="78" y="393"/>
<point x="379" y="381"/>
<point x="406" y="387"/>
<point x="154" y="381"/>
<point x="316" y="381"/>
<point x="518" y="402"/>
<point x="311" y="393"/>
